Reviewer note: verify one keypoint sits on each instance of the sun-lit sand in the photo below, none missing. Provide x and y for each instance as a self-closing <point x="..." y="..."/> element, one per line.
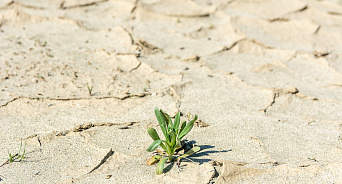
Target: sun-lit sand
<point x="79" y="80"/>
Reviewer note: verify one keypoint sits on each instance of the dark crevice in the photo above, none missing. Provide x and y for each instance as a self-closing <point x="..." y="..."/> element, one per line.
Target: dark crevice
<point x="143" y="94"/>
<point x="230" y="47"/>
<point x="135" y="67"/>
<point x="214" y="176"/>
<point x="135" y="6"/>
<point x="317" y="29"/>
<point x="86" y="126"/>
<point x="80" y="5"/>
<point x="241" y="40"/>
<point x="334" y="13"/>
<point x="129" y="34"/>
<point x="10" y="3"/>
<point x="25" y="5"/>
<point x="147" y="48"/>
<point x="279" y="19"/>
<point x="272" y="163"/>
<point x="319" y="54"/>
<point x="302" y="9"/>
<point x="109" y="154"/>
<point x="77" y="22"/>
<point x="224" y="5"/>
<point x="277" y="93"/>
<point x="14" y="99"/>
<point x="40" y="143"/>
<point x="78" y="129"/>
<point x="181" y="15"/>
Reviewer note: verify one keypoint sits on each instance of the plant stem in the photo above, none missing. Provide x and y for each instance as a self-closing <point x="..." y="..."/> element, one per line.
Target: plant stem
<point x="170" y="158"/>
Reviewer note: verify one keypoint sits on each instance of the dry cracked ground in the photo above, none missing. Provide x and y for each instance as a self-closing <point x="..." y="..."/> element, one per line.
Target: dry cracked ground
<point x="79" y="80"/>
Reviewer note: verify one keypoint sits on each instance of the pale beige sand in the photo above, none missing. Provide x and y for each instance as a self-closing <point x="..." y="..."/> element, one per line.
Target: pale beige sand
<point x="265" y="75"/>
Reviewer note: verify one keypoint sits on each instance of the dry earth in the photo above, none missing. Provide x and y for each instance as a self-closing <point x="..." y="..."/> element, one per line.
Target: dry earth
<point x="266" y="76"/>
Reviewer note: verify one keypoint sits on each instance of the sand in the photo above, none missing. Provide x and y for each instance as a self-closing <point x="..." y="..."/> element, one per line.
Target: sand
<point x="79" y="80"/>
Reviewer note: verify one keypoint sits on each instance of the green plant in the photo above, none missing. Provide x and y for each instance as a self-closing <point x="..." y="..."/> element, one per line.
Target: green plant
<point x="173" y="133"/>
<point x="90" y="89"/>
<point x="18" y="156"/>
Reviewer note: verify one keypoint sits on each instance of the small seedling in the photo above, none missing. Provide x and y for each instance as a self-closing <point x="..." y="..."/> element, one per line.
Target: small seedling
<point x="211" y="26"/>
<point x="49" y="55"/>
<point x="90" y="89"/>
<point x="16" y="157"/>
<point x="173" y="133"/>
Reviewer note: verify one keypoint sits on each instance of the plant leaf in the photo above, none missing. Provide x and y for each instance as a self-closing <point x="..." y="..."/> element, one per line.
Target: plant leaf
<point x="160" y="165"/>
<point x="167" y="120"/>
<point x="168" y="148"/>
<point x="173" y="141"/>
<point x="23" y="155"/>
<point x="153" y="133"/>
<point x="187" y="128"/>
<point x="10" y="157"/>
<point x="190" y="152"/>
<point x="163" y="146"/>
<point x="161" y="122"/>
<point x="176" y="123"/>
<point x="154" y="145"/>
<point x="182" y="127"/>
<point x="153" y="160"/>
<point x="179" y="143"/>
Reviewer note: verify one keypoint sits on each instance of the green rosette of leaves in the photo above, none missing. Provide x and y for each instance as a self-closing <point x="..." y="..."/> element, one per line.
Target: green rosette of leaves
<point x="173" y="133"/>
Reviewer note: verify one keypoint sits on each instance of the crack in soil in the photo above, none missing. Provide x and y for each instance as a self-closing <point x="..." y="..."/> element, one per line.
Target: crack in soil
<point x="105" y="158"/>
<point x="14" y="99"/>
<point x="135" y="7"/>
<point x="45" y="138"/>
<point x="225" y="48"/>
<point x="25" y="5"/>
<point x="80" y="5"/>
<point x="135" y="68"/>
<point x="139" y="95"/>
<point x="86" y="126"/>
<point x="277" y="93"/>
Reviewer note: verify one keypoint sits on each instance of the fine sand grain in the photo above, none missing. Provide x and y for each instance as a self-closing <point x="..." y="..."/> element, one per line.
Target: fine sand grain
<point x="79" y="80"/>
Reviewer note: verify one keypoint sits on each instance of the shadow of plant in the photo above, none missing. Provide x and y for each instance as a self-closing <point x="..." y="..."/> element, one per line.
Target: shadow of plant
<point x="196" y="156"/>
<point x="169" y="167"/>
<point x="203" y="152"/>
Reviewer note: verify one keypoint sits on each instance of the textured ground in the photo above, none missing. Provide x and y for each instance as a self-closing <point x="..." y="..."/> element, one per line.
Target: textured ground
<point x="266" y="76"/>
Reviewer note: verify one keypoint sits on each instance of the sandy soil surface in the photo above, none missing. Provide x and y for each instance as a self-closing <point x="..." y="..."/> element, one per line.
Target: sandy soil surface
<point x="265" y="77"/>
